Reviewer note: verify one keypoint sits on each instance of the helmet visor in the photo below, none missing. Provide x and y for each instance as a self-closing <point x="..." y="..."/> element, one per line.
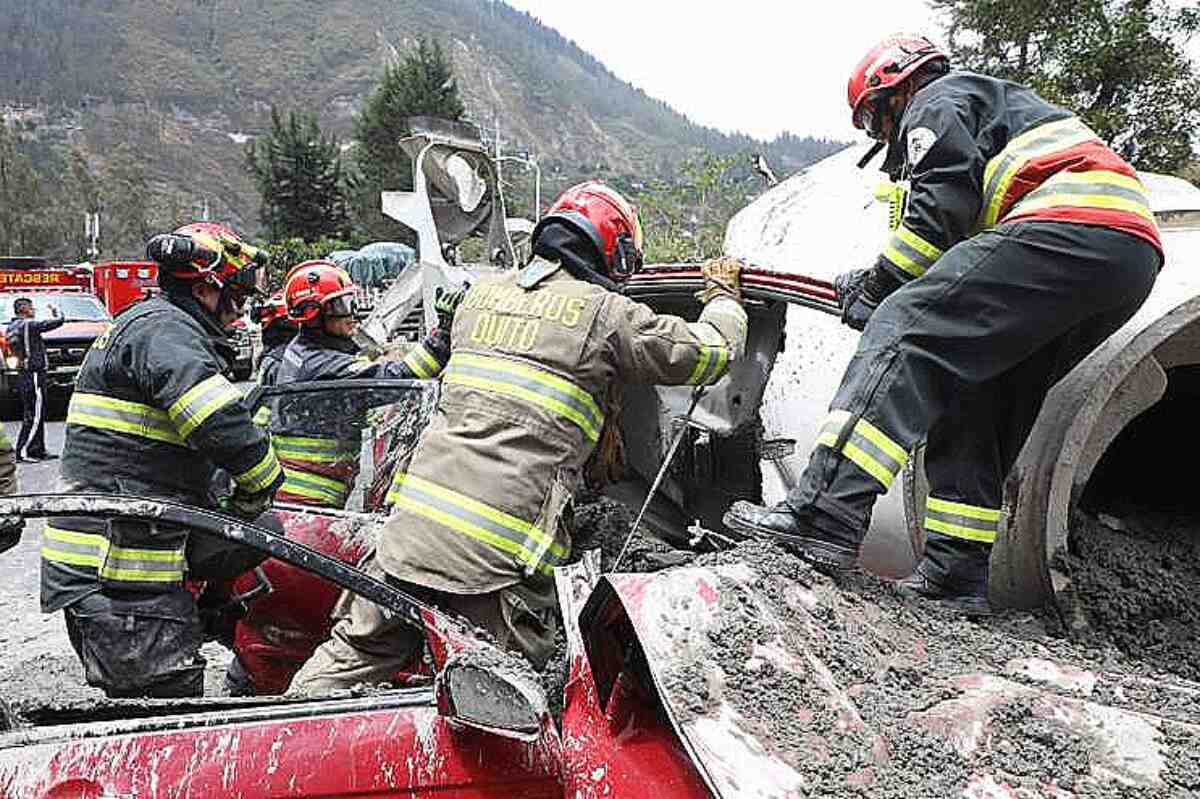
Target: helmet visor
<point x="342" y="307"/>
<point x="247" y="279"/>
<point x="870" y="115"/>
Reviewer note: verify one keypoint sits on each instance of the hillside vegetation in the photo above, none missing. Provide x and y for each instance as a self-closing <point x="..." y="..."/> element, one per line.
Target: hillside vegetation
<point x="179" y="84"/>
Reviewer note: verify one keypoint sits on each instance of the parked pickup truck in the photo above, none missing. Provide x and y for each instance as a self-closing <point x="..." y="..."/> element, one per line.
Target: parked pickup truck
<point x="85" y="319"/>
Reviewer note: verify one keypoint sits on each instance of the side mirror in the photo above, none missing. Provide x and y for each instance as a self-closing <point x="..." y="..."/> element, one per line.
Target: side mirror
<point x="486" y="690"/>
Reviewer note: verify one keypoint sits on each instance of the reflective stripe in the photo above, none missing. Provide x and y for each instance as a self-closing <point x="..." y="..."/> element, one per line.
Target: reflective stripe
<point x="261" y="475"/>
<point x="262" y="417"/>
<point x="122" y="416"/>
<point x="201" y="401"/>
<point x="530" y="384"/>
<point x="491" y="526"/>
<point x="315" y="487"/>
<point x="1096" y="189"/>
<point x="313" y="450"/>
<point x="422" y="363"/>
<point x="867" y="447"/>
<point x="1040" y="141"/>
<point x="123" y="564"/>
<point x="713" y="357"/>
<point x="360" y="364"/>
<point x="73" y="548"/>
<point x="960" y="520"/>
<point x="910" y="252"/>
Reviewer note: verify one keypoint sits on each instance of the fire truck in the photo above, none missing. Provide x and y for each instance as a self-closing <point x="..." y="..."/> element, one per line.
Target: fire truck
<point x="119" y="284"/>
<point x="66" y="289"/>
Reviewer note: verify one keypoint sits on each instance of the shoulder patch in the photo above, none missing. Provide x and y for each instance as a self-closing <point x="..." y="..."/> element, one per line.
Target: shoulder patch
<point x="920" y="142"/>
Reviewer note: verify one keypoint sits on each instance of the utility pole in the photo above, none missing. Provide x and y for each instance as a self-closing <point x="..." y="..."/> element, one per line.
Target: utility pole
<point x="91" y="232"/>
<point x="496" y="114"/>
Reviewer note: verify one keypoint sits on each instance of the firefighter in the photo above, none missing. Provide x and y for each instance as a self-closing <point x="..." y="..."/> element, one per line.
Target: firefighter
<point x="319" y="465"/>
<point x="482" y="513"/>
<point x="1025" y="241"/>
<point x="277" y="332"/>
<point x="153" y="415"/>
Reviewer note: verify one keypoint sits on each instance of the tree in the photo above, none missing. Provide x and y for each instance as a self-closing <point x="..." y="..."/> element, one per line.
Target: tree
<point x="1120" y="64"/>
<point x="685" y="219"/>
<point x="300" y="177"/>
<point x="36" y="209"/>
<point x="421" y="83"/>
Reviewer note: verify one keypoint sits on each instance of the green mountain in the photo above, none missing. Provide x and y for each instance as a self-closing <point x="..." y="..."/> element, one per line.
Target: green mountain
<point x="178" y="85"/>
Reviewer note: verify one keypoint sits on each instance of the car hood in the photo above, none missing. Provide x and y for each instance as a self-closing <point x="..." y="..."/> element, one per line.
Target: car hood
<point x="76" y="330"/>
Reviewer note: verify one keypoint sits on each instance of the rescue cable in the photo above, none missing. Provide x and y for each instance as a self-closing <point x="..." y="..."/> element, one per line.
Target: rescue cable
<point x="687" y="417"/>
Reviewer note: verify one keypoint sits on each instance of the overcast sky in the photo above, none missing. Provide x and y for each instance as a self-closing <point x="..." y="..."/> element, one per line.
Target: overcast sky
<point x="758" y="66"/>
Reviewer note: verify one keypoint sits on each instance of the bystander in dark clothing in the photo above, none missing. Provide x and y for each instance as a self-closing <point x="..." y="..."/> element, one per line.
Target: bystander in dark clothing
<point x="25" y="337"/>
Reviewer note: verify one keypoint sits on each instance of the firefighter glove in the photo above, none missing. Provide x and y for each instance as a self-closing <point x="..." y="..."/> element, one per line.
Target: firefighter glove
<point x="445" y="304"/>
<point x="219" y="614"/>
<point x="247" y="506"/>
<point x="11" y="528"/>
<point x="859" y="293"/>
<point x="722" y="278"/>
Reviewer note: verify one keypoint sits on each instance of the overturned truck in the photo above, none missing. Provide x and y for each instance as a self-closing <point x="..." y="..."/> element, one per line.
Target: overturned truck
<point x="716" y="667"/>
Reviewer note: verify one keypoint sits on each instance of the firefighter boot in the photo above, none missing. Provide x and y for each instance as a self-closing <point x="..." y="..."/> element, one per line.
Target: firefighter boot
<point x="813" y="536"/>
<point x="953" y="572"/>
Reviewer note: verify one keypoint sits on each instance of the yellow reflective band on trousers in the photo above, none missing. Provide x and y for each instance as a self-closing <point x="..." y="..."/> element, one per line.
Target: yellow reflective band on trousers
<point x="528" y="384"/>
<point x="867" y="447"/>
<point x="122" y="416"/>
<point x="714" y="355"/>
<point x="960" y="520"/>
<point x="304" y="449"/>
<point x="316" y="487"/>
<point x="201" y="401"/>
<point x="1041" y="141"/>
<point x="534" y="548"/>
<point x="260" y="476"/>
<point x="422" y="363"/>
<point x="1096" y="189"/>
<point x="910" y="252"/>
<point x="116" y="564"/>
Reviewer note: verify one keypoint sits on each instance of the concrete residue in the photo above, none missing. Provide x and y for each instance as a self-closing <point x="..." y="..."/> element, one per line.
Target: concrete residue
<point x="604" y="523"/>
<point x="1135" y="586"/>
<point x="900" y="700"/>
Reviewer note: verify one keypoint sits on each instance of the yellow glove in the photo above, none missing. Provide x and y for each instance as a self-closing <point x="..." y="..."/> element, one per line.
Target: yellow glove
<point x="721" y="278"/>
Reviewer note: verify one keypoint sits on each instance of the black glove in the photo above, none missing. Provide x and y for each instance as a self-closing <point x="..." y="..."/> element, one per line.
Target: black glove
<point x="11" y="528"/>
<point x="245" y="505"/>
<point x="860" y="291"/>
<point x="445" y="304"/>
<point x="219" y="614"/>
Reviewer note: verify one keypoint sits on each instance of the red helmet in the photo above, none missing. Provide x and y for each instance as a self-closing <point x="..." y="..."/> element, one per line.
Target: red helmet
<point x="317" y="288"/>
<point x="886" y="65"/>
<point x="271" y="311"/>
<point x="607" y="218"/>
<point x="208" y="251"/>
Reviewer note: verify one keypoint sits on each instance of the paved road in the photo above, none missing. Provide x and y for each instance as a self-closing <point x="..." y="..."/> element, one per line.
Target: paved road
<point x="36" y="657"/>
